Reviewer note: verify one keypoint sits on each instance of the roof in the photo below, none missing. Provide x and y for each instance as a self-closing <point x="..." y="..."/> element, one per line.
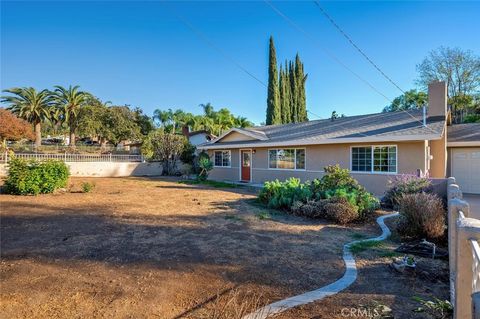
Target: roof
<point x="381" y="127"/>
<point x="464" y="135"/>
<point x="200" y="132"/>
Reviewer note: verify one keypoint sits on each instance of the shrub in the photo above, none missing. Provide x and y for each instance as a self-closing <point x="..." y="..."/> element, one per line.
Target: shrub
<point x="422" y="216"/>
<point x="35" y="177"/>
<point x="335" y="177"/>
<point x="311" y="209"/>
<point x="87" y="187"/>
<point x="339" y="210"/>
<point x="404" y="184"/>
<point x="205" y="165"/>
<point x="278" y="194"/>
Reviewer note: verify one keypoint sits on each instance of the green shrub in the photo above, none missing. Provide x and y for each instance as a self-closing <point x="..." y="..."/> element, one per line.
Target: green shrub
<point x="87" y="187"/>
<point x="334" y="178"/>
<point x="35" y="177"/>
<point x="205" y="165"/>
<point x="404" y="184"/>
<point x="278" y="194"/>
<point x="421" y="216"/>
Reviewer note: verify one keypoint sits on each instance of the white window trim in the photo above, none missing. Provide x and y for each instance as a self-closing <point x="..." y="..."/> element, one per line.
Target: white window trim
<point x="222" y="166"/>
<point x="294" y="158"/>
<point x="371" y="168"/>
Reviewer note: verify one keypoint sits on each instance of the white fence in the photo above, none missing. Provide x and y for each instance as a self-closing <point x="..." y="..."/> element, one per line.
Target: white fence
<point x="66" y="157"/>
<point x="464" y="255"/>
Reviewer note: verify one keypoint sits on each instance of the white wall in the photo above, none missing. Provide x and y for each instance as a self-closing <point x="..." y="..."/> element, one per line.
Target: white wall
<point x="108" y="169"/>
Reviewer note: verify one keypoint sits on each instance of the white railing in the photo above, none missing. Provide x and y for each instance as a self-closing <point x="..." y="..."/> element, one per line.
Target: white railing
<point x="464" y="255"/>
<point x="76" y="157"/>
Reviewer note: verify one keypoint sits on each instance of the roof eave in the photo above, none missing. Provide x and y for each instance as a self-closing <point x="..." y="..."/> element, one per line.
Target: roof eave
<point x="325" y="141"/>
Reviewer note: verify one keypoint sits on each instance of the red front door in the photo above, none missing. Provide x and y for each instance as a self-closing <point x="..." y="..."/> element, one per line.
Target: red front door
<point x="246" y="162"/>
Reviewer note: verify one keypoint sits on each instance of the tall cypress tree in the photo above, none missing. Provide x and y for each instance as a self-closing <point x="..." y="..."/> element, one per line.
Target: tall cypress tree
<point x="285" y="95"/>
<point x="293" y="92"/>
<point x="273" y="95"/>
<point x="301" y="97"/>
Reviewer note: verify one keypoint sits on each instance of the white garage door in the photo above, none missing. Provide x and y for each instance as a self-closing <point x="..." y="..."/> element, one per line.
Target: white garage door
<point x="466" y="169"/>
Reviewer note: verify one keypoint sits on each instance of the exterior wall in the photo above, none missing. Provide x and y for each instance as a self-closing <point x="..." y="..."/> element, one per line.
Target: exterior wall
<point x="198" y="139"/>
<point x="108" y="169"/>
<point x="438" y="149"/>
<point x="410" y="157"/>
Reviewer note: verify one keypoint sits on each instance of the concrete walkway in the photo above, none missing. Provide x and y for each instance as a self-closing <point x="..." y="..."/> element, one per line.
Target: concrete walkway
<point x="348" y="278"/>
<point x="474" y="201"/>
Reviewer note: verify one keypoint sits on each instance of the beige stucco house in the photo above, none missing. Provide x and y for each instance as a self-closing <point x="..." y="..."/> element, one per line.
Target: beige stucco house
<point x="374" y="147"/>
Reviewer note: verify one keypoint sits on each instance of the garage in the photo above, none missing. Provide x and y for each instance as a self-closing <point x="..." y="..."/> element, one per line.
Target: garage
<point x="463" y="143"/>
<point x="466" y="168"/>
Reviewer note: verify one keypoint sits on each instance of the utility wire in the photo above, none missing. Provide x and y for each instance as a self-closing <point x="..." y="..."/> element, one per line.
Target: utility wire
<point x="204" y="38"/>
<point x="296" y="26"/>
<point x="356" y="46"/>
<point x="327" y="52"/>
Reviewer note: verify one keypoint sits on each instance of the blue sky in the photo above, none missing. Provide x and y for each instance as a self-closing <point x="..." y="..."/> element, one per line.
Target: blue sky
<point x="140" y="53"/>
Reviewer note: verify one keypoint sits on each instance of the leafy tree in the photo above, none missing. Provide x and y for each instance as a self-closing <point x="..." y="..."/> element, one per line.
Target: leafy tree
<point x="165" y="147"/>
<point x="273" y="94"/>
<point x="205" y="165"/>
<point x="412" y="99"/>
<point x="461" y="70"/>
<point x="120" y="125"/>
<point x="13" y="128"/>
<point x="30" y="105"/>
<point x="143" y="121"/>
<point x="70" y="100"/>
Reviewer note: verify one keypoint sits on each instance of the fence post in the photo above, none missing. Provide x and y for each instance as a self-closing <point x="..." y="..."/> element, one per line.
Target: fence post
<point x="110" y="157"/>
<point x="455" y="205"/>
<point x="467" y="229"/>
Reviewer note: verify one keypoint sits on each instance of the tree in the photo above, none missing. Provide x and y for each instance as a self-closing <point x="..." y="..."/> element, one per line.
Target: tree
<point x="120" y="125"/>
<point x="143" y="121"/>
<point x="13" y="128"/>
<point x="70" y="100"/>
<point x="301" y="98"/>
<point x="165" y="147"/>
<point x="30" y="105"/>
<point x="411" y="100"/>
<point x="285" y="96"/>
<point x="459" y="68"/>
<point x="273" y="95"/>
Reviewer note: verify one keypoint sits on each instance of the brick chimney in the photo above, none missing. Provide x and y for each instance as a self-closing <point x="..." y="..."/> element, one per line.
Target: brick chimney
<point x="437" y="99"/>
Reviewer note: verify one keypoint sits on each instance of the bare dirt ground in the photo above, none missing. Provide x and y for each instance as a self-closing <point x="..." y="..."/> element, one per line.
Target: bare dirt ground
<point x="153" y="248"/>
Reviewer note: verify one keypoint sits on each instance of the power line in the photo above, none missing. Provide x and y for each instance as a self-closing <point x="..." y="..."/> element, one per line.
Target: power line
<point x="296" y="26"/>
<point x="327" y="52"/>
<point x="356" y="46"/>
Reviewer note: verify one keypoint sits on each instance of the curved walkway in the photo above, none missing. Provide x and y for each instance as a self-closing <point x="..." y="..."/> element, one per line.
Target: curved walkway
<point x="347" y="279"/>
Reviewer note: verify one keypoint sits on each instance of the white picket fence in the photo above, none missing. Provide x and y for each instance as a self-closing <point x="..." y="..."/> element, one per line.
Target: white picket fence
<point x="66" y="157"/>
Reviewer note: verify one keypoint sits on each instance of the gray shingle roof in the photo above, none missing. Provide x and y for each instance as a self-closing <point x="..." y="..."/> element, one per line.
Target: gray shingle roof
<point x="380" y="126"/>
<point x="464" y="133"/>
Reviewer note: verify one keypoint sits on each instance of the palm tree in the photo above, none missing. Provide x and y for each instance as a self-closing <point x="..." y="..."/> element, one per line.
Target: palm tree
<point x="207" y="109"/>
<point x="69" y="101"/>
<point x="30" y="105"/>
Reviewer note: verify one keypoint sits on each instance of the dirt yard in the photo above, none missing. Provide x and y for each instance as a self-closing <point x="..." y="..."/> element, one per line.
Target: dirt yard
<point x="153" y="248"/>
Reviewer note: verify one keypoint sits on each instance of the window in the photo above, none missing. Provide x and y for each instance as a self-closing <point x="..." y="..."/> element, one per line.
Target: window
<point x="379" y="159"/>
<point x="288" y="158"/>
<point x="385" y="159"/>
<point x="361" y="159"/>
<point x="222" y="158"/>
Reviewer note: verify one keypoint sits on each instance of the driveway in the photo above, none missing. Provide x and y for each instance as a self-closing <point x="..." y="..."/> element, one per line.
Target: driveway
<point x="474" y="201"/>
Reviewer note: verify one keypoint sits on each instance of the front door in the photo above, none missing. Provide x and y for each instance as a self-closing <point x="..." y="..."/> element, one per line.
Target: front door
<point x="246" y="162"/>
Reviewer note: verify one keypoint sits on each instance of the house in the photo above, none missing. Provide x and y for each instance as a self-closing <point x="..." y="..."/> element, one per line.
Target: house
<point x="197" y="137"/>
<point x="463" y="146"/>
<point x="374" y="147"/>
